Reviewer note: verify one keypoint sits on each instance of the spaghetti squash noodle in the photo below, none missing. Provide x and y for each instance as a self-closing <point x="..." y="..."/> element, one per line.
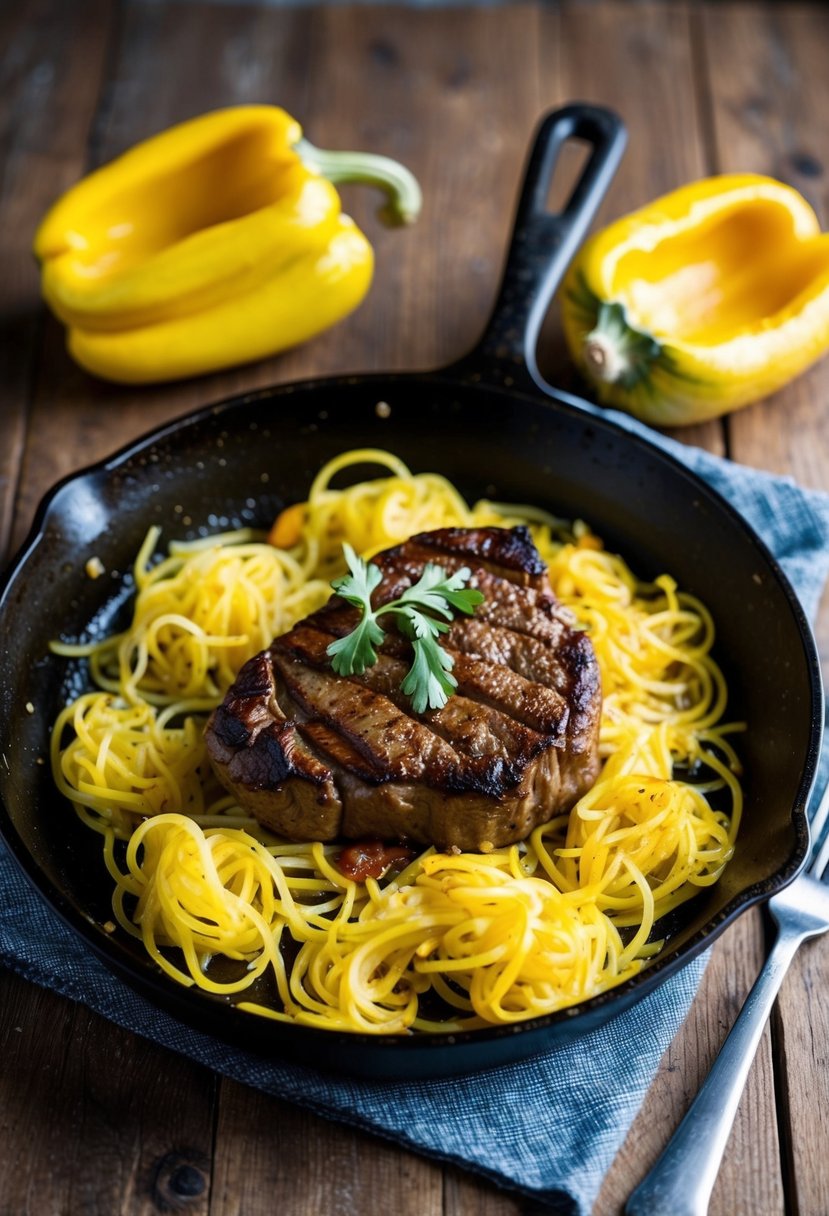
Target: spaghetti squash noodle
<point x="449" y="941"/>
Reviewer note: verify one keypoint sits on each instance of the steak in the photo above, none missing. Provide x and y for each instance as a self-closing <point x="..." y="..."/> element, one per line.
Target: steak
<point x="316" y="756"/>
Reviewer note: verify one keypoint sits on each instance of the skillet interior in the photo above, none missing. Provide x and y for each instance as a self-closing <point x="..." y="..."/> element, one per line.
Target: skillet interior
<point x="240" y="462"/>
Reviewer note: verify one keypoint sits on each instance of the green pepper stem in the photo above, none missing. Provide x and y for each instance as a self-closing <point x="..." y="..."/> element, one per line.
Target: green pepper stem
<point x="615" y="352"/>
<point x="605" y="358"/>
<point x="404" y="198"/>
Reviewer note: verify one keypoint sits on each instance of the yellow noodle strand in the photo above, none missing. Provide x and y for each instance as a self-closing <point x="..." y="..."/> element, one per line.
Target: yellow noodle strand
<point x="497" y="938"/>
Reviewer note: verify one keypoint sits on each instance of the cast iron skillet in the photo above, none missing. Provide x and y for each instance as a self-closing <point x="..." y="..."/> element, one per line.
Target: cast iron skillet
<point x="483" y="423"/>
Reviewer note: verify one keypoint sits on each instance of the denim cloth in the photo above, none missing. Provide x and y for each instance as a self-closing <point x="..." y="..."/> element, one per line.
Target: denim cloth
<point x="548" y="1127"/>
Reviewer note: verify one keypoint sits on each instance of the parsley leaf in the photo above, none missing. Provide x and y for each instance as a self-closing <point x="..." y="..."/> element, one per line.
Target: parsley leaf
<point x="355" y="652"/>
<point x="357" y="586"/>
<point x="428" y="681"/>
<point x="437" y="592"/>
<point x="424" y="612"/>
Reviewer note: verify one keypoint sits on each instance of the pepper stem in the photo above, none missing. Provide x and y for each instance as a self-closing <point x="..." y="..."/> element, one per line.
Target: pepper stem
<point x="403" y="195"/>
<point x="617" y="353"/>
<point x="604" y="358"/>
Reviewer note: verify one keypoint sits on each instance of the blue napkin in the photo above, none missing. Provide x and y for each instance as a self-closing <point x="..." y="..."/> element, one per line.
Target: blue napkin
<point x="548" y="1127"/>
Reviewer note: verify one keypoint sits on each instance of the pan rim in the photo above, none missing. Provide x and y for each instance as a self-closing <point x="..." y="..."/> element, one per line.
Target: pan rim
<point x="150" y="978"/>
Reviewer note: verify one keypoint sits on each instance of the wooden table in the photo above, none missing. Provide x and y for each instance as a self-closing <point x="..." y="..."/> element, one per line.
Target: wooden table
<point x="92" y="1119"/>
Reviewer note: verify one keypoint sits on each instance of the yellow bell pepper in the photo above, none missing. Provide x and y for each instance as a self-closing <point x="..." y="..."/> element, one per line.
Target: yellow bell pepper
<point x="710" y="298"/>
<point x="217" y="242"/>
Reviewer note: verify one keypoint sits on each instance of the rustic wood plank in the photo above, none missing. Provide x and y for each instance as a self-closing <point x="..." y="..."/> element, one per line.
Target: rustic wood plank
<point x="154" y="1150"/>
<point x="93" y="1119"/>
<point x="801" y="1033"/>
<point x="272" y="1157"/>
<point x="59" y="1093"/>
<point x="434" y="288"/>
<point x="769" y="83"/>
<point x="464" y="1194"/>
<point x="607" y="57"/>
<point x="223" y="55"/>
<point x="51" y="61"/>
<point x="478" y="99"/>
<point x="642" y="68"/>
<point x="750" y="1181"/>
<point x="472" y="72"/>
<point x="100" y="416"/>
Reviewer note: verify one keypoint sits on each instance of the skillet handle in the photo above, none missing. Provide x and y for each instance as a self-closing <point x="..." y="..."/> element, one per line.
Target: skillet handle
<point x="543" y="242"/>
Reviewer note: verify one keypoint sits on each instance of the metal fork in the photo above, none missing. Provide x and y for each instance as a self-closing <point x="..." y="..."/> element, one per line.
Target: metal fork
<point x="681" y="1181"/>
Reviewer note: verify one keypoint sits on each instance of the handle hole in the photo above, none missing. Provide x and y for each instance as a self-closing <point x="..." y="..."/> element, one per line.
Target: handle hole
<point x="572" y="159"/>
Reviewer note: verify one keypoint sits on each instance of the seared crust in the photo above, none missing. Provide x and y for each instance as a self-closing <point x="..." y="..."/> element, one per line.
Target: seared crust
<point x="316" y="756"/>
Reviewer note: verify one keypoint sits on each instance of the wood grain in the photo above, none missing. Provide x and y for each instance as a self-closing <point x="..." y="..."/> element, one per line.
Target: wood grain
<point x="274" y="1157"/>
<point x="602" y="52"/>
<point x="69" y="1080"/>
<point x="768" y="83"/>
<point x="95" y="1120"/>
<point x="455" y="93"/>
<point x="51" y="61"/>
<point x="97" y="417"/>
<point x="750" y="1182"/>
<point x="768" y="77"/>
<point x="478" y="100"/>
<point x="433" y="291"/>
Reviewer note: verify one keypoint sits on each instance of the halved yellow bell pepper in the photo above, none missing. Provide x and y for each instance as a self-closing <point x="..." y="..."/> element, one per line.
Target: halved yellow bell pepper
<point x="217" y="242"/>
<point x="710" y="298"/>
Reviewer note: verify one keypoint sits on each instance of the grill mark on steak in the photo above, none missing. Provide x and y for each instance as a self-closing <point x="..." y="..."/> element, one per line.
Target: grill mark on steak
<point x="387" y="739"/>
<point x="507" y="604"/>
<point x="331" y="747"/>
<point x="395" y="745"/>
<point x="521" y="610"/>
<point x="512" y="702"/>
<point x="511" y="552"/>
<point x="316" y="756"/>
<point x="570" y="670"/>
<point x="543" y="709"/>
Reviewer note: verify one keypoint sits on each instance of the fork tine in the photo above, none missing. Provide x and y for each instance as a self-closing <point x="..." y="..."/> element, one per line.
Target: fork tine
<point x="821" y="857"/>
<point x="821" y="860"/>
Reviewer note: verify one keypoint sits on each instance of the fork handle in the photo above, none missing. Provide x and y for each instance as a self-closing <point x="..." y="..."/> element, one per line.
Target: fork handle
<point x="681" y="1181"/>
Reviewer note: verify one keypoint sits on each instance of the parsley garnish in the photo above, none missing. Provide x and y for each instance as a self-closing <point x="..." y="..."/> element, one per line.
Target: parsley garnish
<point x="424" y="611"/>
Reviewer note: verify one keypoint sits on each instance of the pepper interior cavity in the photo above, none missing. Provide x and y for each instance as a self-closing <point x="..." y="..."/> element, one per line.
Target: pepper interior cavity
<point x="704" y="301"/>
